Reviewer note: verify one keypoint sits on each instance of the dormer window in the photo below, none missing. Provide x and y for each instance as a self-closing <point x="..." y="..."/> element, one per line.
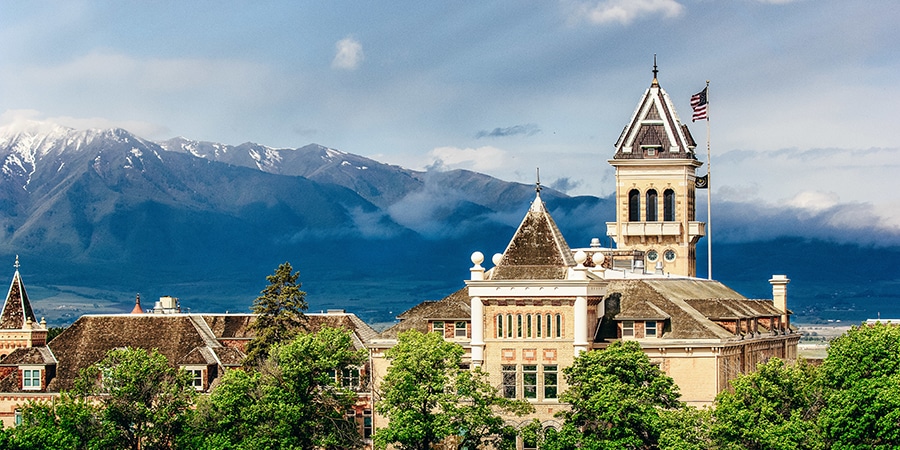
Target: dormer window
<point x="650" y="329"/>
<point x="31" y="379"/>
<point x="460" y="329"/>
<point x="627" y="329"/>
<point x="196" y="379"/>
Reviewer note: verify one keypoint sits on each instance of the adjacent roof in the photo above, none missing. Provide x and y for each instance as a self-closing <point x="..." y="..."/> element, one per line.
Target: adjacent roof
<point x="537" y="251"/>
<point x="691" y="305"/>
<point x="655" y="131"/>
<point x="454" y="306"/>
<point x="17" y="309"/>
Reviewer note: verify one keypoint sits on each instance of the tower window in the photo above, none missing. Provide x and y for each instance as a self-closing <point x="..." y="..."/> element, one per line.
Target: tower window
<point x="652" y="206"/>
<point x="634" y="206"/>
<point x="669" y="205"/>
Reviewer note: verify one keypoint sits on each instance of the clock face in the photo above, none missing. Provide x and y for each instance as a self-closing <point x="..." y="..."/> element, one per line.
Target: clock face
<point x="669" y="255"/>
<point x="652" y="256"/>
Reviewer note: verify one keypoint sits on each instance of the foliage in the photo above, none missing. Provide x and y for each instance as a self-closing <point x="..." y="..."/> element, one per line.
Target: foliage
<point x="67" y="422"/>
<point x="281" y="310"/>
<point x="472" y="409"/>
<point x="144" y="402"/>
<point x="774" y="407"/>
<point x="861" y="376"/>
<point x="686" y="428"/>
<point x="53" y="332"/>
<point x="429" y="399"/>
<point x="293" y="401"/>
<point x="617" y="397"/>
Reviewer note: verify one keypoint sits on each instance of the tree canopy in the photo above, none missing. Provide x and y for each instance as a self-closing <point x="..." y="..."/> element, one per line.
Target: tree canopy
<point x="618" y="397"/>
<point x="429" y="398"/>
<point x="294" y="401"/>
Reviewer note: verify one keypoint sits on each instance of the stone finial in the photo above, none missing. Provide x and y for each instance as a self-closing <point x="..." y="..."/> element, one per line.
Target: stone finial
<point x="476" y="270"/>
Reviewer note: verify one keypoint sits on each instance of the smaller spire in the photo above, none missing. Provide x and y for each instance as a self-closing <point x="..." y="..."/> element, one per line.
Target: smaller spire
<point x="655" y="73"/>
<point x="16" y="265"/>
<point x="537" y="186"/>
<point x="137" y="305"/>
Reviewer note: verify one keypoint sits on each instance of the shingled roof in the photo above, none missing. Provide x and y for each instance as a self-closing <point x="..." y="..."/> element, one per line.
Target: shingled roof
<point x="455" y="306"/>
<point x="537" y="251"/>
<point x="691" y="305"/>
<point x="17" y="309"/>
<point x="655" y="126"/>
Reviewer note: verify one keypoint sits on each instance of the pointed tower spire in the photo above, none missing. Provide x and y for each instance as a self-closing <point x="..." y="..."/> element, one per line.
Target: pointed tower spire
<point x="17" y="308"/>
<point x="655" y="73"/>
<point x="137" y="305"/>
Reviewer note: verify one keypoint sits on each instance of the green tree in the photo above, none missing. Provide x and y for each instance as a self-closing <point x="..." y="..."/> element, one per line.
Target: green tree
<point x="430" y="400"/>
<point x="861" y="377"/>
<point x="472" y="408"/>
<point x="686" y="428"/>
<point x="144" y="402"/>
<point x="281" y="310"/>
<point x="618" y="397"/>
<point x="67" y="422"/>
<point x="774" y="407"/>
<point x="294" y="401"/>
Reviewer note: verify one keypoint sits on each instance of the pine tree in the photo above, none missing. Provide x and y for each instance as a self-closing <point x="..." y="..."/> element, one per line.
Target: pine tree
<point x="280" y="308"/>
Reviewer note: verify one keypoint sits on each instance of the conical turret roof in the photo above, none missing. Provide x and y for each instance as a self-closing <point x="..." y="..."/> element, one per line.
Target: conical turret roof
<point x="17" y="309"/>
<point x="537" y="251"/>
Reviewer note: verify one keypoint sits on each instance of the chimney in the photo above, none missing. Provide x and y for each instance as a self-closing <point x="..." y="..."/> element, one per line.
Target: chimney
<point x="779" y="297"/>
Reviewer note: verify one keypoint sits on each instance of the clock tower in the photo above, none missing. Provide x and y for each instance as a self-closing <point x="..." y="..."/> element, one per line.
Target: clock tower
<point x="655" y="187"/>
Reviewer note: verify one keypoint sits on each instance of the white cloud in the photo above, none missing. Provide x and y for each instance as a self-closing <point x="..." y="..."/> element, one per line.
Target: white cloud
<point x="479" y="159"/>
<point x="33" y="118"/>
<point x="349" y="54"/>
<point x="627" y="11"/>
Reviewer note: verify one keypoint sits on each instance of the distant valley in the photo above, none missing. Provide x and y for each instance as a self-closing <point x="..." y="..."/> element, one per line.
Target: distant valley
<point x="98" y="216"/>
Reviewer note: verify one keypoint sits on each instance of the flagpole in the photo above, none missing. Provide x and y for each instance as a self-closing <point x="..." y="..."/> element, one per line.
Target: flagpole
<point x="708" y="191"/>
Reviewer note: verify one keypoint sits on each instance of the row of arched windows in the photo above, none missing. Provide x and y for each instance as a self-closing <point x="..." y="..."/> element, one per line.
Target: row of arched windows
<point x="529" y="326"/>
<point x="651" y="206"/>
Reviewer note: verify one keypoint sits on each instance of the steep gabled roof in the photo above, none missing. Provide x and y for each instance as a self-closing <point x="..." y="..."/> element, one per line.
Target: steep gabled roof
<point x="454" y="306"/>
<point x="17" y="309"/>
<point x="655" y="126"/>
<point x="537" y="251"/>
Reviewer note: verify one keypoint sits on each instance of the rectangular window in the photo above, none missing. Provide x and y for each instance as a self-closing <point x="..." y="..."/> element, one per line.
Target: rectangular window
<point x="18" y="418"/>
<point x="529" y="381"/>
<point x="650" y="328"/>
<point x="438" y="327"/>
<point x="627" y="328"/>
<point x="460" y="329"/>
<point x="550" y="382"/>
<point x="196" y="378"/>
<point x="31" y="379"/>
<point x="509" y="381"/>
<point x="350" y="378"/>
<point x="367" y="423"/>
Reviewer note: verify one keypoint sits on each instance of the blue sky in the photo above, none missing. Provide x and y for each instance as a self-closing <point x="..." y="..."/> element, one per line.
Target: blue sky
<point x="803" y="93"/>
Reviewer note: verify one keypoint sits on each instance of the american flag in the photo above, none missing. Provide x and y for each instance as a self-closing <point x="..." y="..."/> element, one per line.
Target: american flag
<point x="699" y="104"/>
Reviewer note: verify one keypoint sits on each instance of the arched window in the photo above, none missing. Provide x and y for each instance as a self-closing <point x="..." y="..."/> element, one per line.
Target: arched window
<point x="548" y="325"/>
<point x="558" y="325"/>
<point x="509" y="325"/>
<point x="669" y="205"/>
<point x="652" y="206"/>
<point x="634" y="206"/>
<point x="519" y="325"/>
<point x="538" y="323"/>
<point x="499" y="325"/>
<point x="528" y="325"/>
